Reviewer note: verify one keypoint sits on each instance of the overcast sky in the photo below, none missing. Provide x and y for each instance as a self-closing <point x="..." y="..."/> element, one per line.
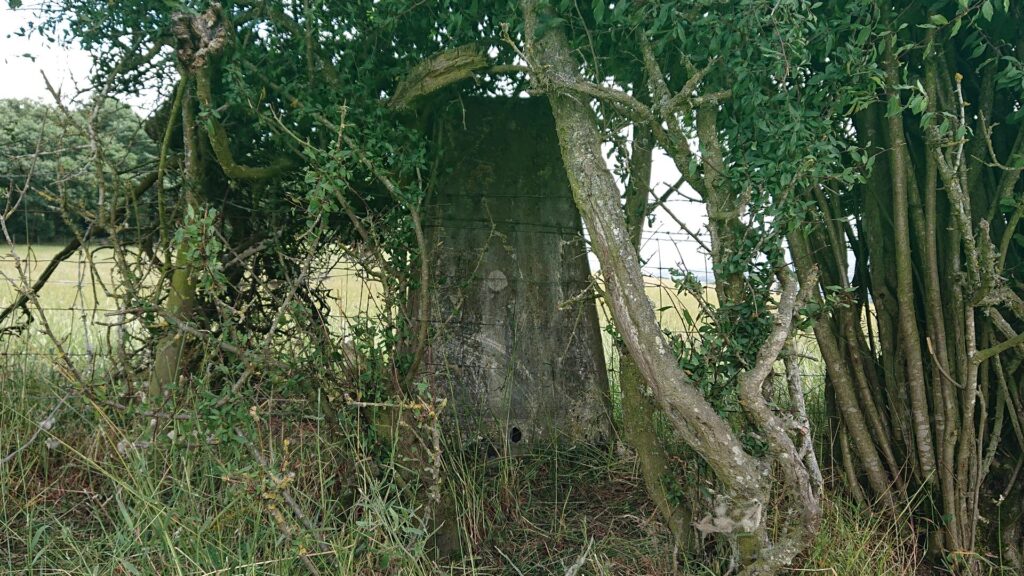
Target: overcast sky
<point x="21" y="60"/>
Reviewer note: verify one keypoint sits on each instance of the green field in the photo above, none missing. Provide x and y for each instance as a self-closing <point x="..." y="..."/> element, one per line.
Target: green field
<point x="77" y="298"/>
<point x="74" y="285"/>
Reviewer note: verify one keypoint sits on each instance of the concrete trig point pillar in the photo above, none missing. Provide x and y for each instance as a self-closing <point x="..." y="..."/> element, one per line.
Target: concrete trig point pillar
<point x="516" y="344"/>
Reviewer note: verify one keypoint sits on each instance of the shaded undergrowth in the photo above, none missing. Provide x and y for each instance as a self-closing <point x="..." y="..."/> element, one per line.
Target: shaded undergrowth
<point x="99" y="493"/>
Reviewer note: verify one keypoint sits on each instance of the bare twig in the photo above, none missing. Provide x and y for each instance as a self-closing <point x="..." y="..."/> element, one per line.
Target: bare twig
<point x="285" y="492"/>
<point x="22" y="300"/>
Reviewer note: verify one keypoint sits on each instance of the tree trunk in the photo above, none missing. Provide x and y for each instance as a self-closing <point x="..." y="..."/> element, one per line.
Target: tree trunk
<point x="171" y="350"/>
<point x="639" y="410"/>
<point x="741" y="509"/>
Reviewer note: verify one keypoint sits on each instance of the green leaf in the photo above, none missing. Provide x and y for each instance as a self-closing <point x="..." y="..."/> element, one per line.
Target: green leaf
<point x="893" y="107"/>
<point x="938" y="20"/>
<point x="956" y="27"/>
<point x="918" y="104"/>
<point x="987" y="10"/>
<point x="687" y="316"/>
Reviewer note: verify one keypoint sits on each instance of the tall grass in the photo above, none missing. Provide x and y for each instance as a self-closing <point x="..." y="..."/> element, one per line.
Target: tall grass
<point x="98" y="493"/>
<point x="76" y="503"/>
<point x="83" y="502"/>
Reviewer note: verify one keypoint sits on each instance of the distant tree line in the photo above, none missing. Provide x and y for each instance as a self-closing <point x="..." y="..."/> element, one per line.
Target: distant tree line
<point x="47" y="155"/>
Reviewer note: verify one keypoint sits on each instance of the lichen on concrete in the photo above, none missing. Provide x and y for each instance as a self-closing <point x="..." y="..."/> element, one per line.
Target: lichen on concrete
<point x="514" y="346"/>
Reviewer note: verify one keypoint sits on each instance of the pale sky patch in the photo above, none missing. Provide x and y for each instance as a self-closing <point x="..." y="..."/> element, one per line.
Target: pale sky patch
<point x="22" y="59"/>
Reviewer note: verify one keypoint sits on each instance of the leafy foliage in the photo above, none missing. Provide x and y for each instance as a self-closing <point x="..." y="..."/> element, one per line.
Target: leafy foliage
<point x="48" y="154"/>
<point x="279" y="150"/>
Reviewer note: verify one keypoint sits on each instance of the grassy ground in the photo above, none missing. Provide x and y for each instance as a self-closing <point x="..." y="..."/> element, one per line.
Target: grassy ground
<point x="291" y="497"/>
<point x="75" y="504"/>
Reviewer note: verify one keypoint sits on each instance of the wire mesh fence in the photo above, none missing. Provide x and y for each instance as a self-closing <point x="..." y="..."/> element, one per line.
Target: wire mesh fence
<point x="78" y="302"/>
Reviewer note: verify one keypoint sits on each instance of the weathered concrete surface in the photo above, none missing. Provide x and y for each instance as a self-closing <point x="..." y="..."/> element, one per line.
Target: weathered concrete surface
<point x="516" y="343"/>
